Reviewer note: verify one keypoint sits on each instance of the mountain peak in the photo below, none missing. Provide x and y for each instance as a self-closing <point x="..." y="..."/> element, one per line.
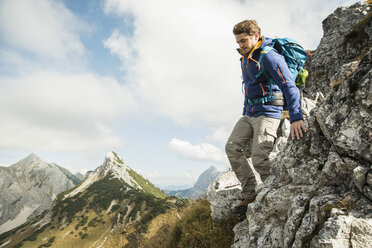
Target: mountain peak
<point x="110" y="156"/>
<point x="32" y="157"/>
<point x="114" y="158"/>
<point x="112" y="165"/>
<point x="30" y="161"/>
<point x="211" y="169"/>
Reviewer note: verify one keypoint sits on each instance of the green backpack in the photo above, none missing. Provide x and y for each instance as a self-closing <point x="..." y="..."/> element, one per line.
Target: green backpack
<point x="295" y="56"/>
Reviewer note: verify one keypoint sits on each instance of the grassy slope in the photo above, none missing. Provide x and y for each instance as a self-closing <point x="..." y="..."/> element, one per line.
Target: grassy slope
<point x="180" y="224"/>
<point x="145" y="184"/>
<point x="87" y="217"/>
<point x="188" y="225"/>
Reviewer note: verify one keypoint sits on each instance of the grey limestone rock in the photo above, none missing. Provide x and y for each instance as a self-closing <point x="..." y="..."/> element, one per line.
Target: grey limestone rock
<point x="224" y="194"/>
<point x="347" y="35"/>
<point x="27" y="188"/>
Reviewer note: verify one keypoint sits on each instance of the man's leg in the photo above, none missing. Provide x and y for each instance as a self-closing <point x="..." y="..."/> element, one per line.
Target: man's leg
<point x="263" y="141"/>
<point x="235" y="146"/>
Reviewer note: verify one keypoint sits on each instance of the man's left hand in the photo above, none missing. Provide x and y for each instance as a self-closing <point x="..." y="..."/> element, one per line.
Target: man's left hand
<point x="298" y="129"/>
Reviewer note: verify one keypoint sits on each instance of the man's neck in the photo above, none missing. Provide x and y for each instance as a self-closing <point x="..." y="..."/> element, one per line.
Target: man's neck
<point x="258" y="44"/>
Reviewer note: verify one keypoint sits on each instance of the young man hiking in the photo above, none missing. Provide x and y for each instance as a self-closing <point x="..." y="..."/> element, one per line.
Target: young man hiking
<point x="260" y="120"/>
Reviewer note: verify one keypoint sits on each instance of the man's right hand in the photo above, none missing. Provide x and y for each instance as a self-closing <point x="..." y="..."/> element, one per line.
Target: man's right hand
<point x="296" y="129"/>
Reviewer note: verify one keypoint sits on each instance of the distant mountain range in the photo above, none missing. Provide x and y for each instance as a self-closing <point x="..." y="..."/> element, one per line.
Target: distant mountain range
<point x="174" y="187"/>
<point x="200" y="188"/>
<point x="29" y="187"/>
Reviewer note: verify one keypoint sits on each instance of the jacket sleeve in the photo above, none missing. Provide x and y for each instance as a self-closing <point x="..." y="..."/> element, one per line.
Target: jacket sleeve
<point x="277" y="68"/>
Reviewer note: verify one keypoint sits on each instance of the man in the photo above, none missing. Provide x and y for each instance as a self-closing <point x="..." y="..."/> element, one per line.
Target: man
<point x="260" y="121"/>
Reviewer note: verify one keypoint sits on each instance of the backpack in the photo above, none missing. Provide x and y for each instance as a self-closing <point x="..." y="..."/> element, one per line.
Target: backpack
<point x="295" y="56"/>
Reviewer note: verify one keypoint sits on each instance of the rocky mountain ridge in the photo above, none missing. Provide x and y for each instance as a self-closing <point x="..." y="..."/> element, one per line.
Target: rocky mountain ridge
<point x="116" y="168"/>
<point x="29" y="187"/>
<point x="200" y="188"/>
<point x="319" y="194"/>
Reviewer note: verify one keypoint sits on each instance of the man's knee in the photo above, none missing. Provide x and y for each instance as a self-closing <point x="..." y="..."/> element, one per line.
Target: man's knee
<point x="233" y="150"/>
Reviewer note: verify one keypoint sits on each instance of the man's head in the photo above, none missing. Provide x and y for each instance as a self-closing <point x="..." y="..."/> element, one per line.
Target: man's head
<point x="248" y="26"/>
<point x="247" y="34"/>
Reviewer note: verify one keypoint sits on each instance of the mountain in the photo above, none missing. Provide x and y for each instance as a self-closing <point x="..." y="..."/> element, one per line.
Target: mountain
<point x="116" y="168"/>
<point x="29" y="187"/>
<point x="80" y="176"/>
<point x="200" y="188"/>
<point x="175" y="187"/>
<point x="114" y="204"/>
<point x="320" y="190"/>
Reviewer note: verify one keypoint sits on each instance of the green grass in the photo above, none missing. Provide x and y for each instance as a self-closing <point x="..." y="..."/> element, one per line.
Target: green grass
<point x="146" y="185"/>
<point x="197" y="229"/>
<point x="100" y="194"/>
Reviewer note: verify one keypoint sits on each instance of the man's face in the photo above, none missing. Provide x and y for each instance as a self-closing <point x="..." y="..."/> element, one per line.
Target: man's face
<point x="246" y="42"/>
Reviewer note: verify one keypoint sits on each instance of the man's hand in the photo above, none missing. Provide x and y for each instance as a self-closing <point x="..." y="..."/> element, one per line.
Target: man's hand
<point x="296" y="129"/>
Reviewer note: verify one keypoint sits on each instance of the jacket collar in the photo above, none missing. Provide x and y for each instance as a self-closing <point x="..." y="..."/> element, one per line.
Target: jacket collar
<point x="261" y="43"/>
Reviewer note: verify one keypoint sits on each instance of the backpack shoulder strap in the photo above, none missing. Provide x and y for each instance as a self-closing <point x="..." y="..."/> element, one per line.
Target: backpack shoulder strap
<point x="263" y="52"/>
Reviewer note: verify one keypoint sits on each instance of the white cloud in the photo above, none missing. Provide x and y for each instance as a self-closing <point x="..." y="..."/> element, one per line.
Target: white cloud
<point x="74" y="170"/>
<point x="220" y="134"/>
<point x="55" y="111"/>
<point x="179" y="60"/>
<point x="45" y="28"/>
<point x="203" y="151"/>
<point x="120" y="45"/>
<point x="186" y="67"/>
<point x="150" y="175"/>
<point x="49" y="100"/>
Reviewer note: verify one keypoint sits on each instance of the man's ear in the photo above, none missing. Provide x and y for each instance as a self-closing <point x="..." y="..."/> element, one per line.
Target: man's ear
<point x="256" y="36"/>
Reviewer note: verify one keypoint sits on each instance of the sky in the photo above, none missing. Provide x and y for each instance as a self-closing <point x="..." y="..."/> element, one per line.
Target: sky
<point x="158" y="82"/>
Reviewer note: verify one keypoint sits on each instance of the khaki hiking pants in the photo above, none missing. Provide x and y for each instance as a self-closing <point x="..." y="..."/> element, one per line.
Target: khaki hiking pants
<point x="262" y="130"/>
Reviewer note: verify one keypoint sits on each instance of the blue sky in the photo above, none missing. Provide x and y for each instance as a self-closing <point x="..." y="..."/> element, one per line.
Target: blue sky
<point x="158" y="82"/>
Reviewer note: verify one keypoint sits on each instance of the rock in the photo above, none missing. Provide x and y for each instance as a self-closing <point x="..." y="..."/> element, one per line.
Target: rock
<point x="345" y="230"/>
<point x="347" y="35"/>
<point x="224" y="194"/>
<point x="347" y="124"/>
<point x="369" y="177"/>
<point x="360" y="177"/>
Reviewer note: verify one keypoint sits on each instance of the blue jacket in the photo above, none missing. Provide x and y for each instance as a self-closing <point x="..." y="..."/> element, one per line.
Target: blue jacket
<point x="277" y="68"/>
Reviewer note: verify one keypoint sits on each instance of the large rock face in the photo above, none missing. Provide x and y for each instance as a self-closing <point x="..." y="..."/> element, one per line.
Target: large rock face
<point x="346" y="37"/>
<point x="29" y="187"/>
<point x="320" y="191"/>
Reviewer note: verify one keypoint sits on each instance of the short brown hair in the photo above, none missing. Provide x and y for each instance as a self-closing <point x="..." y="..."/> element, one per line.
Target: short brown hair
<point x="248" y="26"/>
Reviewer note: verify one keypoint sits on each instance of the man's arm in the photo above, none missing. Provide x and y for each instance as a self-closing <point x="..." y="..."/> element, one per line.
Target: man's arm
<point x="279" y="71"/>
